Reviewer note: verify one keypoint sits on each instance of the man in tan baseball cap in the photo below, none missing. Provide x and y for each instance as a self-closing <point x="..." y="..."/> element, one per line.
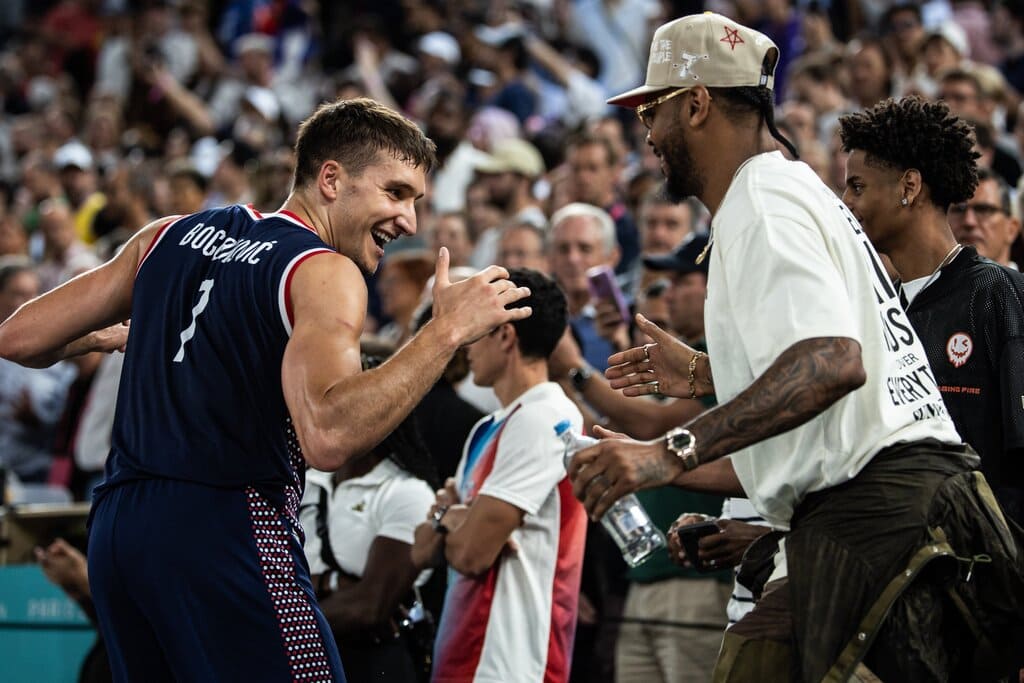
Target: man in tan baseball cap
<point x="812" y="351"/>
<point x="704" y="49"/>
<point x="692" y="55"/>
<point x="509" y="172"/>
<point x="513" y="156"/>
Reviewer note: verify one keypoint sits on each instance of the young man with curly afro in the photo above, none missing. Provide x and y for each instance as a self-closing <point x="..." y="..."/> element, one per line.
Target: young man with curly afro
<point x="910" y="160"/>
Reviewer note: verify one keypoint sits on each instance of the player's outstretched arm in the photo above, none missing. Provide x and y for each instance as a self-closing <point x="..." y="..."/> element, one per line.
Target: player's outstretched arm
<point x="82" y="315"/>
<point x="339" y="411"/>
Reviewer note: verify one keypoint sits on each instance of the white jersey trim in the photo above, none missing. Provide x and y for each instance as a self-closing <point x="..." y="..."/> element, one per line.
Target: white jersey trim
<point x="290" y="217"/>
<point x="253" y="213"/>
<point x="159" y="237"/>
<point x="286" y="276"/>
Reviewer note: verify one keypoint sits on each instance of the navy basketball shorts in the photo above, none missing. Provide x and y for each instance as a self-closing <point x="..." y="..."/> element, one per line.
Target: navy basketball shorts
<point x="194" y="583"/>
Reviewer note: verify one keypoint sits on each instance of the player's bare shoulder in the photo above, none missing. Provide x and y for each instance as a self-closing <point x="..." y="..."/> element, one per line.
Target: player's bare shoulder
<point x="328" y="283"/>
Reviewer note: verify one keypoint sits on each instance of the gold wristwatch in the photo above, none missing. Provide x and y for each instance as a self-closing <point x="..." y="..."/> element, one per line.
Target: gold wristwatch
<point x="682" y="444"/>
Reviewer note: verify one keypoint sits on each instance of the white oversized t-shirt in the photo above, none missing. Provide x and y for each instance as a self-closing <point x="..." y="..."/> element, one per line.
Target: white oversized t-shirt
<point x="790" y="263"/>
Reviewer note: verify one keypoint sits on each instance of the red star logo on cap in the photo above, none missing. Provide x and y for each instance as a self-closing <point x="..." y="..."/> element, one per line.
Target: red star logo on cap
<point x="732" y="36"/>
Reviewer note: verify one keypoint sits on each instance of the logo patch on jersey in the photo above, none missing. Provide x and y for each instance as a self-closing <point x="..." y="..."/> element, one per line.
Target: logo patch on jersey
<point x="359" y="507"/>
<point x="959" y="348"/>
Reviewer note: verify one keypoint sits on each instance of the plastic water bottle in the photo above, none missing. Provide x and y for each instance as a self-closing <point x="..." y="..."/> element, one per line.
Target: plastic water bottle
<point x="626" y="521"/>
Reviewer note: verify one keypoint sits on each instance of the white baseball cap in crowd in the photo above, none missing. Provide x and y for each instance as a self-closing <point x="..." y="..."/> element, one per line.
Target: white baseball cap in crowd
<point x="441" y="45"/>
<point x="264" y="101"/>
<point x="704" y="49"/>
<point x="953" y="34"/>
<point x="254" y="42"/>
<point x="75" y="154"/>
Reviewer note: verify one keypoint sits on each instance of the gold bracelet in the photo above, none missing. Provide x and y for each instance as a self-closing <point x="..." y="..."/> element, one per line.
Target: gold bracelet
<point x="693" y="369"/>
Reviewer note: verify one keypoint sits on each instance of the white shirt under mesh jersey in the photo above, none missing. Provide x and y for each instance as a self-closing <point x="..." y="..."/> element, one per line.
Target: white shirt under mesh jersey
<point x="791" y="263"/>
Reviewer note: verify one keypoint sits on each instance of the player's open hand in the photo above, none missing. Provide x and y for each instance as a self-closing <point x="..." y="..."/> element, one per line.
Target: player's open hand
<point x="475" y="306"/>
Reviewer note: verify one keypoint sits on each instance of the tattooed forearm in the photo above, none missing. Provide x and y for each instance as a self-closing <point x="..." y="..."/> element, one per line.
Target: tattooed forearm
<point x="806" y="379"/>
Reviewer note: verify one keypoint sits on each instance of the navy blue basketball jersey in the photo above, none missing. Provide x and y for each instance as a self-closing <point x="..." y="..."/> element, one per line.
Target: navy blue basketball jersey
<point x="200" y="398"/>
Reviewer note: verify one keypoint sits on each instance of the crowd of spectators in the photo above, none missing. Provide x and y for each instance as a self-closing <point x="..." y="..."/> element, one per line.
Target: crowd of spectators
<point x="116" y="112"/>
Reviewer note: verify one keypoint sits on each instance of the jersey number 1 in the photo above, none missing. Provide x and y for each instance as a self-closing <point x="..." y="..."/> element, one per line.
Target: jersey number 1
<point x="190" y="331"/>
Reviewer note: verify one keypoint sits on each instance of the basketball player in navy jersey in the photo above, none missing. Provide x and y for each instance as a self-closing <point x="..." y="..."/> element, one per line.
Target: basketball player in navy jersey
<point x="242" y="367"/>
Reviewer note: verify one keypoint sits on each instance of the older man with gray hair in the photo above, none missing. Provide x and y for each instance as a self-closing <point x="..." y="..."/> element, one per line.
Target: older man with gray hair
<point x="582" y="237"/>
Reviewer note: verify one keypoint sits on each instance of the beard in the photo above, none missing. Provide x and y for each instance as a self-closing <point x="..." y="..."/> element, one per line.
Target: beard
<point x="681" y="178"/>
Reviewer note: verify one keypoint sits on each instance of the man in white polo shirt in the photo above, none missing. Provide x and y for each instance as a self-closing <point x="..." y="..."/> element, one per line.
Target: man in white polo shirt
<point x="833" y="422"/>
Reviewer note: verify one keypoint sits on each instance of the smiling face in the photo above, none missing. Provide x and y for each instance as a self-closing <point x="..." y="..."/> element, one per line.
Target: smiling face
<point x="375" y="208"/>
<point x="873" y="195"/>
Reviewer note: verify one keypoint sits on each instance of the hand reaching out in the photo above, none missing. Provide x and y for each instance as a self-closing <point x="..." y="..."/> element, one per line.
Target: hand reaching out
<point x="662" y="367"/>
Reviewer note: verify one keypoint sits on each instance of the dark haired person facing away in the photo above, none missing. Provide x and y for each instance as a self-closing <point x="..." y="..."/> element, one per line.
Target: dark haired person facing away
<point x="242" y="367"/>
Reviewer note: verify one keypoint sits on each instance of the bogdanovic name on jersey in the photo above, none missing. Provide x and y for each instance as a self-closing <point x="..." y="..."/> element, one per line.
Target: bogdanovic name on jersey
<point x="214" y="242"/>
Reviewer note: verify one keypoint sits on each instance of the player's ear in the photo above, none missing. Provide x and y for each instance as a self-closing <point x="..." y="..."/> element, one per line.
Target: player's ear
<point x="329" y="179"/>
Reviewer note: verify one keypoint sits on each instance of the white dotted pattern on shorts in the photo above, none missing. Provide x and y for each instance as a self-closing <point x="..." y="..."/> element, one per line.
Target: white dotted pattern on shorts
<point x="293" y="494"/>
<point x="302" y="639"/>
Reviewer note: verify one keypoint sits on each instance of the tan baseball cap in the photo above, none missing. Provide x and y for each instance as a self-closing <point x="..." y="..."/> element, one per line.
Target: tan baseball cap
<point x="513" y="156"/>
<point x="705" y="49"/>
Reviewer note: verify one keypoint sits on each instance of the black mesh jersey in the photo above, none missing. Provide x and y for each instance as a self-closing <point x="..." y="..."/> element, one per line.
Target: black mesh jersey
<point x="971" y="323"/>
